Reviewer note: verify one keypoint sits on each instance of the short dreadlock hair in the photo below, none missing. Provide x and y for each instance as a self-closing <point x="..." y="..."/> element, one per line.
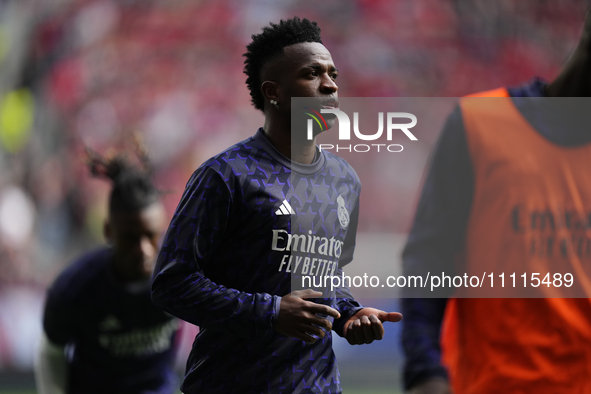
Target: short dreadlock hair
<point x="133" y="189"/>
<point x="270" y="43"/>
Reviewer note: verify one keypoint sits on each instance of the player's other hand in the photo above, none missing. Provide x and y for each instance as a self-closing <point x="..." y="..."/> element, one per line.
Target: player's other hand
<point x="366" y="325"/>
<point x="432" y="386"/>
<point x="298" y="317"/>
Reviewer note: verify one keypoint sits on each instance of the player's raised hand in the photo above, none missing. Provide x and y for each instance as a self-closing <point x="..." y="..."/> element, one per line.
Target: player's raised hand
<point x="366" y="325"/>
<point x="298" y="317"/>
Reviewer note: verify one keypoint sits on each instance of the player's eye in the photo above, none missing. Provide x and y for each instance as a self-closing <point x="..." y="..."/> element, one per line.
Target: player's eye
<point x="334" y="76"/>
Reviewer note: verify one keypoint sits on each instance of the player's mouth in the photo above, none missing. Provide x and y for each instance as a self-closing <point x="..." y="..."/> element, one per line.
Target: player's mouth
<point x="330" y="104"/>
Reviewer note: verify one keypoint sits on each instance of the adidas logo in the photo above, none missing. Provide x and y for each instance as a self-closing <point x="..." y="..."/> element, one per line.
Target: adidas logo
<point x="285" y="209"/>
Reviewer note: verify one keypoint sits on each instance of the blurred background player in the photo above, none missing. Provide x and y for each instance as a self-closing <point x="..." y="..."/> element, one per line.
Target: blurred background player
<point x="228" y="258"/>
<point x="102" y="334"/>
<point x="508" y="185"/>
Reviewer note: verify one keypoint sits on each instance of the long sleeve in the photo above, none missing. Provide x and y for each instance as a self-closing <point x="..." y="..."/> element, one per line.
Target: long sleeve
<point x="434" y="242"/>
<point x="346" y="304"/>
<point x="193" y="238"/>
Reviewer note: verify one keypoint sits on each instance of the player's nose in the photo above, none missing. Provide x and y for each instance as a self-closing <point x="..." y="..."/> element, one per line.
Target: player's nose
<point x="328" y="85"/>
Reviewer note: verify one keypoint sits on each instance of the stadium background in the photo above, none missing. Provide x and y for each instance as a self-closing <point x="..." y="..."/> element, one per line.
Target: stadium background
<point x="75" y="72"/>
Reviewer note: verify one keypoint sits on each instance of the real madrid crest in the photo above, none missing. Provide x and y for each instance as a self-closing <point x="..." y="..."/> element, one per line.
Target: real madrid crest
<point x="342" y="212"/>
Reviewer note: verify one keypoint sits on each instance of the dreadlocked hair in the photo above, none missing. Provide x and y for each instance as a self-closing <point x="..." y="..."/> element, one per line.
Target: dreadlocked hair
<point x="270" y="43"/>
<point x="132" y="185"/>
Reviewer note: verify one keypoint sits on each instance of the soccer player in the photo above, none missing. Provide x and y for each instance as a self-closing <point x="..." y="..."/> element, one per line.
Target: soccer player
<point x="501" y="168"/>
<point x="252" y="216"/>
<point x="101" y="332"/>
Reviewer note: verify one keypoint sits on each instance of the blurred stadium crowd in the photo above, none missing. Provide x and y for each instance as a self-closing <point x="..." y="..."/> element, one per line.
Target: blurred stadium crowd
<point x="77" y="73"/>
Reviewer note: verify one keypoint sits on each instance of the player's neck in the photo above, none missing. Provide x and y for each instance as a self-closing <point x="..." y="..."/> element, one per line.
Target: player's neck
<point x="302" y="152"/>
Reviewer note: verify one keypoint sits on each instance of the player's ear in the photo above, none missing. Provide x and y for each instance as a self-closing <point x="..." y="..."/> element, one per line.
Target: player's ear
<point x="270" y="91"/>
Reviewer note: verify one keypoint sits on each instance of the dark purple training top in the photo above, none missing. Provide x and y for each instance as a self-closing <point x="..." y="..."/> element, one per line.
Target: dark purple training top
<point x="249" y="219"/>
<point x="121" y="342"/>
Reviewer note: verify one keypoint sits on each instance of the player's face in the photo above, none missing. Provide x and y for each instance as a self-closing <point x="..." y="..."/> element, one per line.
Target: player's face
<point x="134" y="236"/>
<point x="308" y="71"/>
